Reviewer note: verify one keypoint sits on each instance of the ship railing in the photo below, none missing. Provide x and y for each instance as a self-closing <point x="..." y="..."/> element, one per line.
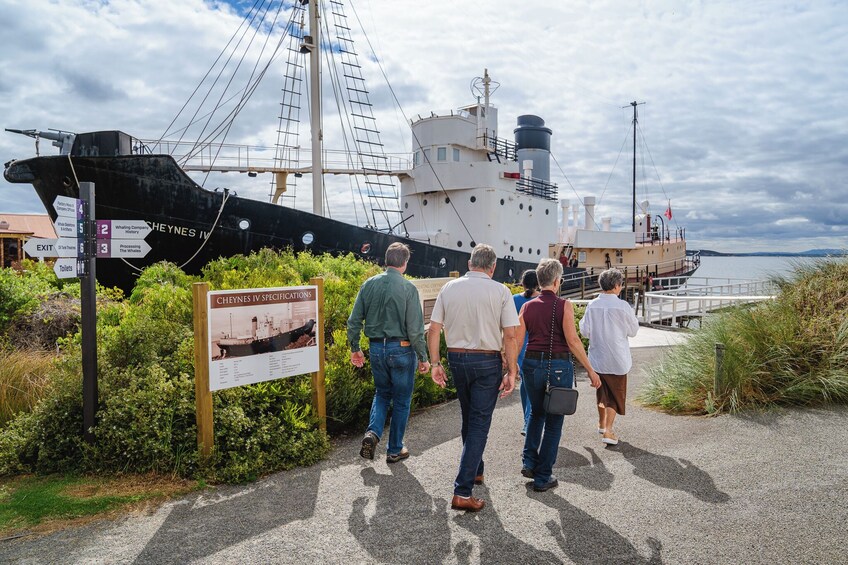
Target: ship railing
<point x="700" y="296"/>
<point x="503" y="148"/>
<point x="439" y="114"/>
<point x="225" y="157"/>
<point x="537" y="188"/>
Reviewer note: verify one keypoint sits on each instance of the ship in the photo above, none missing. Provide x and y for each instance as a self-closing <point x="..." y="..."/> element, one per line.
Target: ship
<point x="263" y="338"/>
<point x="463" y="183"/>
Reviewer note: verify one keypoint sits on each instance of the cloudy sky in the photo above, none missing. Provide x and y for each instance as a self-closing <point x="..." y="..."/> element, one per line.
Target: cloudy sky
<point x="745" y="115"/>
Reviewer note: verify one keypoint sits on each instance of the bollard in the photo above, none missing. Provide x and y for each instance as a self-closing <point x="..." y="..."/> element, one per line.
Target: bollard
<point x="719" y="361"/>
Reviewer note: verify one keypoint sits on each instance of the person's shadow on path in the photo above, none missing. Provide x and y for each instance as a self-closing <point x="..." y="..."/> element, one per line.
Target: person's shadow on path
<point x="585" y="539"/>
<point x="408" y="525"/>
<point x="497" y="545"/>
<point x="666" y="472"/>
<point x="591" y="474"/>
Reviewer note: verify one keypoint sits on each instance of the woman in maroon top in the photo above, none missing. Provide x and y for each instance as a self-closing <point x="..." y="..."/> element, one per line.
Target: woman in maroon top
<point x="549" y="324"/>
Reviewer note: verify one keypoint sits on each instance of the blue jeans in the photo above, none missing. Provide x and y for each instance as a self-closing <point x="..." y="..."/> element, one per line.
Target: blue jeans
<point x="477" y="377"/>
<point x="393" y="368"/>
<point x="525" y="402"/>
<point x="545" y="430"/>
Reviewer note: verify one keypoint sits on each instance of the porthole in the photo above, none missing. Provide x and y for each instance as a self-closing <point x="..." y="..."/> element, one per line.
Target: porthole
<point x="243" y="224"/>
<point x="510" y="272"/>
<point x="512" y="248"/>
<point x="547" y="211"/>
<point x="447" y="199"/>
<point x="307" y="238"/>
<point x="530" y="208"/>
<point x="424" y="202"/>
<point x="406" y="205"/>
<point x="365" y="249"/>
<point x="473" y="199"/>
<point x="443" y="263"/>
<point x="502" y="201"/>
<point x="538" y="252"/>
<point x="473" y="244"/>
<point x="521" y="250"/>
<point x="521" y="206"/>
<point x="459" y="244"/>
<point x="67" y="182"/>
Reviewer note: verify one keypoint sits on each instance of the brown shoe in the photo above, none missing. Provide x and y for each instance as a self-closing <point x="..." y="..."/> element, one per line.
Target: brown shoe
<point x="469" y="504"/>
<point x="478" y="480"/>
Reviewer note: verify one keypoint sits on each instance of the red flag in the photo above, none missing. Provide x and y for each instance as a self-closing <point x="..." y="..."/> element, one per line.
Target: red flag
<point x="668" y="211"/>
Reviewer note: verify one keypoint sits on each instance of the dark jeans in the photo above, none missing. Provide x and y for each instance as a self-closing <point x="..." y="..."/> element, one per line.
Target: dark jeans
<point x="544" y="430"/>
<point x="393" y="368"/>
<point x="477" y="377"/>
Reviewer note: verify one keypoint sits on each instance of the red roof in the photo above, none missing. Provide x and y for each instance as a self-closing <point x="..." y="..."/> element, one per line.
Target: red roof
<point x="27" y="225"/>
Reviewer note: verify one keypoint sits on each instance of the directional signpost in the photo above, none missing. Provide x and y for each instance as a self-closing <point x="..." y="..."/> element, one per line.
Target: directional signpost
<point x="82" y="240"/>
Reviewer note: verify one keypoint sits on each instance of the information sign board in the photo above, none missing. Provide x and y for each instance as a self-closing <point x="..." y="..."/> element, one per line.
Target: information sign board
<point x="122" y="229"/>
<point x="69" y="207"/>
<point x="128" y="248"/>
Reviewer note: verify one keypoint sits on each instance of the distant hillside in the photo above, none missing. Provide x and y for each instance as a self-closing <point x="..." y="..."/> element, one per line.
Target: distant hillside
<point x="809" y="253"/>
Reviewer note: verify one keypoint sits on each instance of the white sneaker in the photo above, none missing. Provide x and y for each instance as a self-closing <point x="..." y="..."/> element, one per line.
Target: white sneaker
<point x="610" y="438"/>
<point x="601" y="430"/>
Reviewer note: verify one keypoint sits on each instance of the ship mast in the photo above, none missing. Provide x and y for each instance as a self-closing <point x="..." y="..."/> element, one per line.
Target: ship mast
<point x="635" y="121"/>
<point x="315" y="106"/>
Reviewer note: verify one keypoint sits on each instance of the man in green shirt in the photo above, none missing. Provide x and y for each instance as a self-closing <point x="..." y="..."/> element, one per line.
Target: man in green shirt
<point x="394" y="324"/>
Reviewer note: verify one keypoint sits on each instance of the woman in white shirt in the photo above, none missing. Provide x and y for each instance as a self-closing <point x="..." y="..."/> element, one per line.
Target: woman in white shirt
<point x="608" y="322"/>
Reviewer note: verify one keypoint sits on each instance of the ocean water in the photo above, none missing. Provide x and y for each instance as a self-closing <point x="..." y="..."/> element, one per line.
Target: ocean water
<point x="749" y="267"/>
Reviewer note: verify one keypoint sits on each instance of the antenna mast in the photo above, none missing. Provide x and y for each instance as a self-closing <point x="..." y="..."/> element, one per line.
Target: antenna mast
<point x="635" y="121"/>
<point x="315" y="107"/>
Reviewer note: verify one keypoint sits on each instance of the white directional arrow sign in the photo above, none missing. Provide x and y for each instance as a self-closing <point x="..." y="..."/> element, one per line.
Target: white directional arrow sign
<point x="122" y="229"/>
<point x="68" y="268"/>
<point x="129" y="248"/>
<point x="40" y="247"/>
<point x="68" y="207"/>
<point x="68" y="247"/>
<point x="68" y="227"/>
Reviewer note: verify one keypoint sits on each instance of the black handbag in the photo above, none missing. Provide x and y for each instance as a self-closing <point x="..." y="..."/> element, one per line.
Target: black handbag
<point x="558" y="399"/>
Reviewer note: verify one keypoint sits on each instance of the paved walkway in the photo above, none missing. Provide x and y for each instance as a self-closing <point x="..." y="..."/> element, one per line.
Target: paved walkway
<point x="755" y="489"/>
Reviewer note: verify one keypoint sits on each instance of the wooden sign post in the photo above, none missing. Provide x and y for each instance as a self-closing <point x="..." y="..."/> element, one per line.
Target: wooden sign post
<point x="319" y="397"/>
<point x="202" y="394"/>
<point x="267" y="353"/>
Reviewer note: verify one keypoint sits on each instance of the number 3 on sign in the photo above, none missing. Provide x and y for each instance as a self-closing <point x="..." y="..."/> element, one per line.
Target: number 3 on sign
<point x="103" y="249"/>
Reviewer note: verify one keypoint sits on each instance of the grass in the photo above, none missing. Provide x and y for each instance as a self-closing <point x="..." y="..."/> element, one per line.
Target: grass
<point x="23" y="381"/>
<point x="792" y="351"/>
<point x="43" y="504"/>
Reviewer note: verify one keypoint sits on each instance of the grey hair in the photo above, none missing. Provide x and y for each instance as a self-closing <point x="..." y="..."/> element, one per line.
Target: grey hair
<point x="610" y="278"/>
<point x="397" y="255"/>
<point x="483" y="257"/>
<point x="548" y="272"/>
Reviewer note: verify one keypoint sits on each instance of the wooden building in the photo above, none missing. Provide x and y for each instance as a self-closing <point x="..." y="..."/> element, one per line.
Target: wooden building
<point x="15" y="229"/>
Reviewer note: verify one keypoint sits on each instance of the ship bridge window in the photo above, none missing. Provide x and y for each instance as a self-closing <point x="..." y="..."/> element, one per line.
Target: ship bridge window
<point x="456" y="154"/>
<point x="416" y="159"/>
<point x="441" y="153"/>
<point x="426" y="155"/>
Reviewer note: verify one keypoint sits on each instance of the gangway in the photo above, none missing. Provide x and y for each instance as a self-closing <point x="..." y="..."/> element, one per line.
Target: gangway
<point x="698" y="297"/>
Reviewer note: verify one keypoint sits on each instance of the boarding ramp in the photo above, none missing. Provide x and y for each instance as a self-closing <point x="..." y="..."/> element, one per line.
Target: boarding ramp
<point x="696" y="298"/>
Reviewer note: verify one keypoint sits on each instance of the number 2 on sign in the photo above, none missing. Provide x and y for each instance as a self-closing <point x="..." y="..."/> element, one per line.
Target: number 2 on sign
<point x="104" y="229"/>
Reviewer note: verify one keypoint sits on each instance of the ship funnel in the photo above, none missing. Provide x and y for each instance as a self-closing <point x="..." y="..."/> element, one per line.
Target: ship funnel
<point x="589" y="206"/>
<point x="564" y="205"/>
<point x="533" y="142"/>
<point x="254" y="326"/>
<point x="606" y="223"/>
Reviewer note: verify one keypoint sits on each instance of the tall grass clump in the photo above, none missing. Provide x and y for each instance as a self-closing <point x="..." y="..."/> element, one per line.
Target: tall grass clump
<point x="24" y="381"/>
<point x="791" y="351"/>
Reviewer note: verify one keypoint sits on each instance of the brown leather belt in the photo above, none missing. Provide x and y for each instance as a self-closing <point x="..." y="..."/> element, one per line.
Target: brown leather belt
<point x="478" y="351"/>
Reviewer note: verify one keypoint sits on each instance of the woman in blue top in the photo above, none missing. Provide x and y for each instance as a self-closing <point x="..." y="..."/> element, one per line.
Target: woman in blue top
<point x="531" y="290"/>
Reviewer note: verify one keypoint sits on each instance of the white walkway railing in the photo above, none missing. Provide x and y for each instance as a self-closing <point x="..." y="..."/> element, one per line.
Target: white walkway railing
<point x="698" y="297"/>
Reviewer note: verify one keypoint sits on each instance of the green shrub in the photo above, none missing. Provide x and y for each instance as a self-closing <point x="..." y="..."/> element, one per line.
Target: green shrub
<point x="790" y="351"/>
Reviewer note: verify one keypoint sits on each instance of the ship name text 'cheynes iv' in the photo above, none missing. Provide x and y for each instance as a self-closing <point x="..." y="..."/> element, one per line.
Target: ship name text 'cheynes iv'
<point x="177" y="230"/>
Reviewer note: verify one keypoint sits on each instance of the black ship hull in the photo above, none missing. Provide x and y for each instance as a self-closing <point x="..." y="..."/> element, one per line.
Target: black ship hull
<point x="269" y="344"/>
<point x="193" y="226"/>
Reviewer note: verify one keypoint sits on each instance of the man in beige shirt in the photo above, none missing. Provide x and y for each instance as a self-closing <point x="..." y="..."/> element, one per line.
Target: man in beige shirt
<point x="479" y="319"/>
